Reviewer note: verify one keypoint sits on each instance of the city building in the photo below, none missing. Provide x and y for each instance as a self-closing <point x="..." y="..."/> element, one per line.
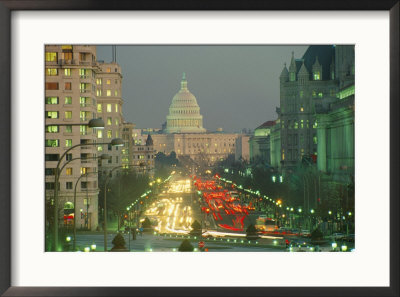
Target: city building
<point x="70" y="103"/>
<point x="311" y="83"/>
<point x="143" y="156"/>
<point x="127" y="149"/>
<point x="109" y="108"/>
<point x="242" y="148"/>
<point x="184" y="133"/>
<point x="260" y="150"/>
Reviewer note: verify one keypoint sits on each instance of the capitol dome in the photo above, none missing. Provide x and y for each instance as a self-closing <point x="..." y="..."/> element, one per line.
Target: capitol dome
<point x="184" y="112"/>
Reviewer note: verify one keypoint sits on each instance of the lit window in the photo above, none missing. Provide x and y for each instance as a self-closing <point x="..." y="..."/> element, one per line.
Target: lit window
<point x="98" y="92"/>
<point x="52" y="114"/>
<point x="83" y="73"/>
<point x="315" y="140"/>
<point x="301" y="94"/>
<point x="68" y="171"/>
<point x="108" y="81"/>
<point x="109" y="134"/>
<point x="52" y="129"/>
<point x="116" y="122"/>
<point x="109" y="109"/>
<point x="115" y="93"/>
<point x="109" y="121"/>
<point x="99" y="148"/>
<point x="320" y="95"/>
<point x="68" y="129"/>
<point x="98" y="81"/>
<point x="296" y="125"/>
<point x="68" y="100"/>
<point x="51" y="71"/>
<point x="84" y="170"/>
<point x="108" y="93"/>
<point x="51" y="86"/>
<point x="51" y="57"/>
<point x="68" y="115"/>
<point x="108" y="70"/>
<point x="52" y="143"/>
<point x="68" y="86"/>
<point x="68" y="142"/>
<point x="83" y="129"/>
<point x="116" y="107"/>
<point x="314" y="94"/>
<point x="67" y="72"/>
<point x="99" y="133"/>
<point x="302" y="109"/>
<point x="51" y="100"/>
<point x="317" y="75"/>
<point x="302" y="124"/>
<point x="99" y="108"/>
<point x="117" y="135"/>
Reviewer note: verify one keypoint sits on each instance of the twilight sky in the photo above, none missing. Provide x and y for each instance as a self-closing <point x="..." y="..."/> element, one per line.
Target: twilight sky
<point x="236" y="86"/>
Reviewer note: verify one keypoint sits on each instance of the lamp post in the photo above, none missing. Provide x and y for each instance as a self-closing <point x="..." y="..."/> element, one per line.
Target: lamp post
<point x="105" y="200"/>
<point x="102" y="157"/>
<point x="95" y="123"/>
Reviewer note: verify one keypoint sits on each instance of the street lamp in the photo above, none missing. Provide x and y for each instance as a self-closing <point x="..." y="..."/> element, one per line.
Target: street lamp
<point x="94" y="123"/>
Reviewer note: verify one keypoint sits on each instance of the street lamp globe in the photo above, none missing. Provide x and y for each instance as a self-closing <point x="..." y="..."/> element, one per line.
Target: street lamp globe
<point x="117" y="142"/>
<point x="96" y="123"/>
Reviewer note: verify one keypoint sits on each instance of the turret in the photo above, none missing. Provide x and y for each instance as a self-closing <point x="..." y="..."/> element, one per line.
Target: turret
<point x="303" y="74"/>
<point x="317" y="70"/>
<point x="292" y="69"/>
<point x="284" y="77"/>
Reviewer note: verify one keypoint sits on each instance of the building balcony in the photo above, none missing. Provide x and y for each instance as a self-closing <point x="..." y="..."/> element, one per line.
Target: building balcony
<point x="66" y="62"/>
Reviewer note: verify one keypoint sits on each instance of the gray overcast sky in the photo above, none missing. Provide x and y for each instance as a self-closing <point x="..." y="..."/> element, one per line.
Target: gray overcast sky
<point x="236" y="86"/>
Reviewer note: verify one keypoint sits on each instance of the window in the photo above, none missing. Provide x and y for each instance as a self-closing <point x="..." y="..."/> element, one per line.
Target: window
<point x="320" y="95"/>
<point x="99" y="108"/>
<point x="115" y="93"/>
<point x="108" y="81"/>
<point x="68" y="86"/>
<point x="109" y="148"/>
<point x="315" y="140"/>
<point x="109" y="121"/>
<point x="68" y="56"/>
<point x="99" y="148"/>
<point x="51" y="157"/>
<point x="292" y="76"/>
<point x="84" y="101"/>
<point x="51" y="86"/>
<point x="68" y="129"/>
<point x="68" y="100"/>
<point x="83" y="129"/>
<point x="51" y="57"/>
<point x="51" y="100"/>
<point x="296" y="125"/>
<point x="98" y="81"/>
<point x="83" y="73"/>
<point x="99" y="133"/>
<point x="301" y="94"/>
<point x="68" y="115"/>
<point x="52" y="129"/>
<point x="49" y="186"/>
<point x="67" y="71"/>
<point x="116" y="122"/>
<point x="108" y="93"/>
<point x="109" y="109"/>
<point x="84" y="170"/>
<point x="302" y="124"/>
<point x="52" y="114"/>
<point x="68" y="185"/>
<point x="301" y="108"/>
<point x="68" y="157"/>
<point x="49" y="171"/>
<point x="117" y="135"/>
<point x="98" y="92"/>
<point x="84" y="186"/>
<point x="116" y="107"/>
<point x="317" y="75"/>
<point x="51" y="71"/>
<point x="68" y="171"/>
<point x="109" y="134"/>
<point x="314" y="94"/>
<point x="52" y="143"/>
<point x="83" y="87"/>
<point x="108" y="70"/>
<point x="68" y="142"/>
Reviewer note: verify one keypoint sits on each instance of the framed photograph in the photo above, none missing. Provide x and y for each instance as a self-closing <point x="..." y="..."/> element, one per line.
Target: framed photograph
<point x="244" y="134"/>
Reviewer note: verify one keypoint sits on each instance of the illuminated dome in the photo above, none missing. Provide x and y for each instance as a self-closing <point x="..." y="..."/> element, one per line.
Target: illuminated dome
<point x="184" y="112"/>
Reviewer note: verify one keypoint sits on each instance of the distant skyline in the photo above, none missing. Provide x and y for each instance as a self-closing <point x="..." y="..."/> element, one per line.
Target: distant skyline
<point x="236" y="86"/>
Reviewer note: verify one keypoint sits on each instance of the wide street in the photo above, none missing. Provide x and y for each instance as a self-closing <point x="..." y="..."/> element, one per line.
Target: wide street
<point x="181" y="201"/>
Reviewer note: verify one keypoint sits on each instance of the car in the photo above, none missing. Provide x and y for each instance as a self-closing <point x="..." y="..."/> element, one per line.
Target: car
<point x="305" y="233"/>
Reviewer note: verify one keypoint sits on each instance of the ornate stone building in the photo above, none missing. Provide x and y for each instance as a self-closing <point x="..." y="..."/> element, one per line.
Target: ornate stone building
<point x="184" y="133"/>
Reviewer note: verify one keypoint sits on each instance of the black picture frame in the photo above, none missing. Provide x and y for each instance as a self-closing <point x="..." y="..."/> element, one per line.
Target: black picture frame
<point x="6" y="7"/>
